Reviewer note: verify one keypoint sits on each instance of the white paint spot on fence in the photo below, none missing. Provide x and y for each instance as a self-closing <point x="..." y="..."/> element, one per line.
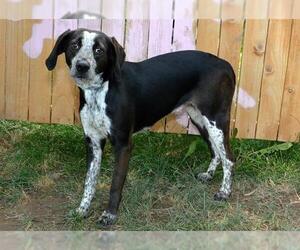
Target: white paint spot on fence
<point x="245" y="100"/>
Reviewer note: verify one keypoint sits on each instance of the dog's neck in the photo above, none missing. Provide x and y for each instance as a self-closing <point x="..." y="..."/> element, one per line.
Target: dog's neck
<point x="95" y="96"/>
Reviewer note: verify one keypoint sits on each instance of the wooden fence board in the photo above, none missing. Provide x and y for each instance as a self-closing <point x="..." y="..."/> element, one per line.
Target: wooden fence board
<point x="40" y="78"/>
<point x="289" y="129"/>
<point x="63" y="7"/>
<point x="137" y="31"/>
<point x="281" y="9"/>
<point x="267" y="67"/>
<point x="253" y="58"/>
<point x="208" y="33"/>
<point x="183" y="39"/>
<point x="208" y="30"/>
<point x="161" y="28"/>
<point x="136" y="40"/>
<point x="17" y="71"/>
<point x="160" y="38"/>
<point x="93" y="6"/>
<point x="114" y="22"/>
<point x="63" y="90"/>
<point x="3" y="11"/>
<point x="230" y="46"/>
<point x="273" y="78"/>
<point x="296" y="10"/>
<point x="2" y="67"/>
<point x="113" y="9"/>
<point x="231" y="41"/>
<point x="257" y="9"/>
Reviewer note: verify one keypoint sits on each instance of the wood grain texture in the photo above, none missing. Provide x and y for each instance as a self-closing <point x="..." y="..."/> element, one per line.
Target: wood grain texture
<point x="296" y="10"/>
<point x="208" y="30"/>
<point x="2" y="67"/>
<point x="3" y="10"/>
<point x="137" y="30"/>
<point x="273" y="78"/>
<point x="209" y="9"/>
<point x="136" y="40"/>
<point x="268" y="87"/>
<point x="63" y="90"/>
<point x="230" y="47"/>
<point x="113" y="9"/>
<point x="91" y="24"/>
<point x="289" y="129"/>
<point x="231" y="41"/>
<point x="40" y="78"/>
<point x="93" y="6"/>
<point x="281" y="9"/>
<point x="184" y="38"/>
<point x="251" y="77"/>
<point x="160" y="38"/>
<point x="114" y="22"/>
<point x="17" y="71"/>
<point x="114" y="28"/>
<point x="257" y="9"/>
<point x="161" y="28"/>
<point x="208" y="35"/>
<point x="62" y="7"/>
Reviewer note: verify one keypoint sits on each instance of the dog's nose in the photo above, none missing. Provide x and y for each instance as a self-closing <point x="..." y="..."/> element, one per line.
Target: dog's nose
<point x="82" y="66"/>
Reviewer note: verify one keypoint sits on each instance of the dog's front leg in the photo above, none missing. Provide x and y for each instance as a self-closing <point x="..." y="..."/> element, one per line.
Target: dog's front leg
<point x="94" y="155"/>
<point x="122" y="151"/>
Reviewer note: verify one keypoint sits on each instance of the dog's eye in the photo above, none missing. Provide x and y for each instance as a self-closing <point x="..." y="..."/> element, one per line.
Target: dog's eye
<point x="75" y="46"/>
<point x="98" y="51"/>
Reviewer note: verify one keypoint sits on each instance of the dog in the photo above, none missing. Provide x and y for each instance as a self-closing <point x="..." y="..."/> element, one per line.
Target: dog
<point x="119" y="98"/>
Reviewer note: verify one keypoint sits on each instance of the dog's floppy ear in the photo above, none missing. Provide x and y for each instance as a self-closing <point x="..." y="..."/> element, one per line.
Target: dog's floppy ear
<point x="59" y="48"/>
<point x="119" y="52"/>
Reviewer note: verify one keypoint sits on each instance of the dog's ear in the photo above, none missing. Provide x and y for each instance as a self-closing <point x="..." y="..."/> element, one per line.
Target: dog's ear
<point x="119" y="52"/>
<point x="59" y="48"/>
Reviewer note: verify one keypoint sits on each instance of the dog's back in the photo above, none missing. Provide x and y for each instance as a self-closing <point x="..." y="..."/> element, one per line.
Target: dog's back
<point x="161" y="84"/>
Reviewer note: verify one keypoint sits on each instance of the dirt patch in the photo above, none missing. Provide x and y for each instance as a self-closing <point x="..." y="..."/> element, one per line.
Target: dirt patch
<point x="35" y="212"/>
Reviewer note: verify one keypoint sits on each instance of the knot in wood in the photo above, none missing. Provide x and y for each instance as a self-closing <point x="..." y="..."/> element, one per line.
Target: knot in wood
<point x="259" y="49"/>
<point x="269" y="69"/>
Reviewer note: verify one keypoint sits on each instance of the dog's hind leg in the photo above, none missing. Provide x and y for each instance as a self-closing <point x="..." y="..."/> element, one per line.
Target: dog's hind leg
<point x="94" y="155"/>
<point x="217" y="134"/>
<point x="215" y="158"/>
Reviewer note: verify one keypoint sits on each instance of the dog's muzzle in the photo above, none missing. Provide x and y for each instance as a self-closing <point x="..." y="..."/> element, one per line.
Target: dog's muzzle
<point x="82" y="66"/>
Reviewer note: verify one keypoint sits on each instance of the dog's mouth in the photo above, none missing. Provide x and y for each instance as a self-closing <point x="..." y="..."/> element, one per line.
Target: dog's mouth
<point x="81" y="77"/>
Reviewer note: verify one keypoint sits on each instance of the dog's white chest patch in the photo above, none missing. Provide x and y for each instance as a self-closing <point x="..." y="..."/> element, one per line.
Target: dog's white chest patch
<point x="95" y="122"/>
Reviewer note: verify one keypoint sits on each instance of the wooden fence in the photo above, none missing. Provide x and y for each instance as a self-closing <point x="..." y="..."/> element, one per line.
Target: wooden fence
<point x="265" y="53"/>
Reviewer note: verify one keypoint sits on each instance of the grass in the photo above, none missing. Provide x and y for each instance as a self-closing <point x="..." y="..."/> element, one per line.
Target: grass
<point x="42" y="170"/>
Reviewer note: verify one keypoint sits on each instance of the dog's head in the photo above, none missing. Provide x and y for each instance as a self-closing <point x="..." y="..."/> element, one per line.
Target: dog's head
<point x="92" y="56"/>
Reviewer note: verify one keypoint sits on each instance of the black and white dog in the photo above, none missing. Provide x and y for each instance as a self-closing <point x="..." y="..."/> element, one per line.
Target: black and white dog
<point x="118" y="98"/>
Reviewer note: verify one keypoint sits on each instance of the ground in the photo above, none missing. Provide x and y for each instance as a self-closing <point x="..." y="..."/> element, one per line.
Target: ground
<point x="42" y="170"/>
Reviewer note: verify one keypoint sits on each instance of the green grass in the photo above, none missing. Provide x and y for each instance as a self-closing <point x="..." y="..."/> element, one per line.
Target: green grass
<point x="42" y="170"/>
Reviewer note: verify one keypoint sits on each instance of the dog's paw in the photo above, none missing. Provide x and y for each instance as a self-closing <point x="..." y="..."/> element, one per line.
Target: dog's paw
<point x="82" y="212"/>
<point x="204" y="177"/>
<point x="221" y="196"/>
<point x="107" y="219"/>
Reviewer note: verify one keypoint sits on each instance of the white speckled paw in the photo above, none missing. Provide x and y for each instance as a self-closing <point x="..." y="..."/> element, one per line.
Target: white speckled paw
<point x="221" y="196"/>
<point x="204" y="177"/>
<point x="82" y="212"/>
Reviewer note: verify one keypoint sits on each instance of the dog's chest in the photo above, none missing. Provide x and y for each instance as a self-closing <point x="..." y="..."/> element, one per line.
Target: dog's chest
<point x="95" y="122"/>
